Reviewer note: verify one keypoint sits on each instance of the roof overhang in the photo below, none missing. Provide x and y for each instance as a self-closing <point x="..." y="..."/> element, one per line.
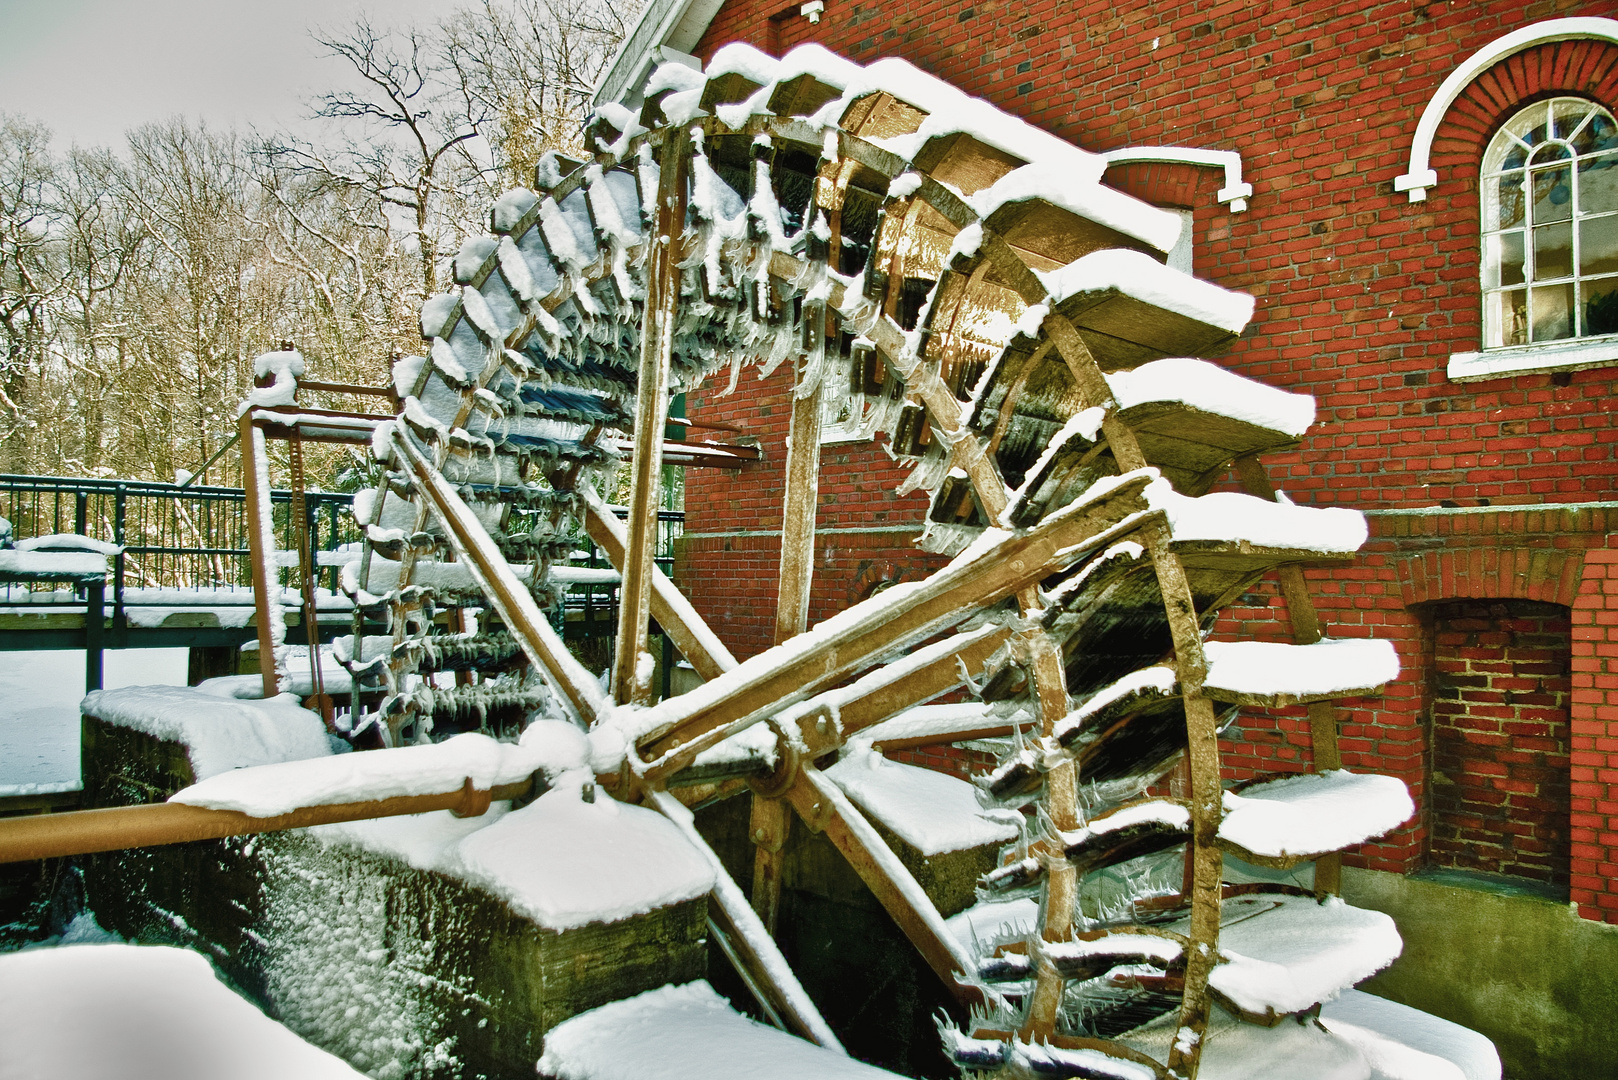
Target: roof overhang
<point x="667" y="30"/>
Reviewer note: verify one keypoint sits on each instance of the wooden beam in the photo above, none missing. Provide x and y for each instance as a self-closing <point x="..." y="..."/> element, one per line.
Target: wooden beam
<point x="824" y="807"/>
<point x="801" y="501"/>
<point x="761" y="961"/>
<point x="515" y="605"/>
<point x="261" y="552"/>
<point x="888" y="622"/>
<point x="673" y="612"/>
<point x="651" y="414"/>
<point x="83" y="832"/>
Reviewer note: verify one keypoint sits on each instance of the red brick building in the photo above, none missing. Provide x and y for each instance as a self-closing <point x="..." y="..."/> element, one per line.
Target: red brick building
<point x="1456" y="323"/>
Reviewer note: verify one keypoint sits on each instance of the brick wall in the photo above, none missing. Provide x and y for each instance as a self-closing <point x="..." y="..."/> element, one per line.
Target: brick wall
<point x="1362" y="297"/>
<point x="1500" y="675"/>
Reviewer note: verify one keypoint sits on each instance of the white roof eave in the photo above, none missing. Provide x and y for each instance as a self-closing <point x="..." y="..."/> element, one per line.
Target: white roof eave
<point x="672" y="24"/>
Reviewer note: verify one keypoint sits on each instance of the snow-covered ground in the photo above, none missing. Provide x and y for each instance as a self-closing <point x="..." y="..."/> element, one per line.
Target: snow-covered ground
<point x="39" y="709"/>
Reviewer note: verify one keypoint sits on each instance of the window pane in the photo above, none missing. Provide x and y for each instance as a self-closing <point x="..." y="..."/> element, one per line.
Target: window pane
<point x="1553" y="194"/>
<point x="1598" y="245"/>
<point x="1553" y="251"/>
<point x="1551" y="308"/>
<point x="1598" y="183"/>
<point x="1505" y="318"/>
<point x="1503" y="263"/>
<point x="1567" y="115"/>
<point x="1508" y="206"/>
<point x="1601" y="306"/>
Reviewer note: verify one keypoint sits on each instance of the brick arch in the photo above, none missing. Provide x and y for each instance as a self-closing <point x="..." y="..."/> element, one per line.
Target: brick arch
<point x="1495" y="573"/>
<point x="1580" y="67"/>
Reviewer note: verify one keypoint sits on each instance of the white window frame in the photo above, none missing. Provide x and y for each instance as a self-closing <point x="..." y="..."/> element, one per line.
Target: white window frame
<point x="1508" y="148"/>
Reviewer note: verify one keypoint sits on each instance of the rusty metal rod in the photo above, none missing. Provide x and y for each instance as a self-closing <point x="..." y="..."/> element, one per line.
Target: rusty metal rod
<point x="84" y="832"/>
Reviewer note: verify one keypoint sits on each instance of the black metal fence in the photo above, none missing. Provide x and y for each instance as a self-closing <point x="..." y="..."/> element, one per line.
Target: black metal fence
<point x="195" y="537"/>
<point x="190" y="538"/>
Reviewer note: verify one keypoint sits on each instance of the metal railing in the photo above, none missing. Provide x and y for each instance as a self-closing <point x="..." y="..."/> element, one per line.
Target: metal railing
<point x="190" y="538"/>
<point x="195" y="537"/>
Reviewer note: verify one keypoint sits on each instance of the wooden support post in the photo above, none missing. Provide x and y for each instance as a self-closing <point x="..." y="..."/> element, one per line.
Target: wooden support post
<point x="763" y="965"/>
<point x="803" y="486"/>
<point x="1061" y="802"/>
<point x="651" y="415"/>
<point x="1306" y="630"/>
<point x="673" y="612"/>
<point x="574" y="684"/>
<point x="768" y="828"/>
<point x="95" y="607"/>
<point x="824" y="807"/>
<point x="261" y="552"/>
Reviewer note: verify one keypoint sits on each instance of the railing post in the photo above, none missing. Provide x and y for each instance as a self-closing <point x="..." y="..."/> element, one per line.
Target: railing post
<point x="81" y="511"/>
<point x="119" y="506"/>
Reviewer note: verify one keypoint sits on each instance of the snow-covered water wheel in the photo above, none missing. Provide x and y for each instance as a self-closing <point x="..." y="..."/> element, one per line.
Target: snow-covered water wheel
<point x="966" y="288"/>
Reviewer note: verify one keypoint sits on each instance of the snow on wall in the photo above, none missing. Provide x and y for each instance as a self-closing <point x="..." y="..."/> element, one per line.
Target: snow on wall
<point x="219" y="734"/>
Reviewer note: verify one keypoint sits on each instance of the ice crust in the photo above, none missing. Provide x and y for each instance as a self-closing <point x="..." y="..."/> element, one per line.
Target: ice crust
<point x="141" y="1013"/>
<point x="931" y="811"/>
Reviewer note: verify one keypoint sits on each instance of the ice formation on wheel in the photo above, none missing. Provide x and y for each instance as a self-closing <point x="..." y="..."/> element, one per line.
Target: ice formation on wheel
<point x="959" y="284"/>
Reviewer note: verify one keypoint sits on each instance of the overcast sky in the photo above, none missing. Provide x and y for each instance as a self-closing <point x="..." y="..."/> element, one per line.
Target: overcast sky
<point x="92" y="69"/>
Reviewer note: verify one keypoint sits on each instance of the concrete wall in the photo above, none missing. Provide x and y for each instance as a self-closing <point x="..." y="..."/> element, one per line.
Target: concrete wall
<point x="1525" y="971"/>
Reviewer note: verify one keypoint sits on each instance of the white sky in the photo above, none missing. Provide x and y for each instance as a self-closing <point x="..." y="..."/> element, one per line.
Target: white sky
<point x="92" y="69"/>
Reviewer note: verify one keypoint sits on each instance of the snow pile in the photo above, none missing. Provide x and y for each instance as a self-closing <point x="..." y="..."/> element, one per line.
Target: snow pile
<point x="68" y="542"/>
<point x="564" y="862"/>
<point x="1309" y="815"/>
<point x="686" y="1033"/>
<point x="1233" y="516"/>
<point x="423" y="841"/>
<point x="140" y="1013"/>
<point x="219" y="734"/>
<point x="1294" y="953"/>
<point x="946" y="723"/>
<point x="1329" y="666"/>
<point x="46" y="565"/>
<point x="1156" y="681"/>
<point x="1213" y="389"/>
<point x="1093" y="201"/>
<point x="1137" y="275"/>
<point x="1402" y="1043"/>
<point x="287" y="368"/>
<point x="930" y="811"/>
<point x="1233" y="1050"/>
<point x="552" y="747"/>
<point x="1171" y="815"/>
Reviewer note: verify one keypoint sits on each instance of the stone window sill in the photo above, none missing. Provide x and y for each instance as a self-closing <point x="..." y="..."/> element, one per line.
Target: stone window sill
<point x="1533" y="359"/>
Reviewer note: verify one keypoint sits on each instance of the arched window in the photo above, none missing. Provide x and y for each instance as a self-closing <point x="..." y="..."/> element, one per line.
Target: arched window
<point x="1550" y="225"/>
